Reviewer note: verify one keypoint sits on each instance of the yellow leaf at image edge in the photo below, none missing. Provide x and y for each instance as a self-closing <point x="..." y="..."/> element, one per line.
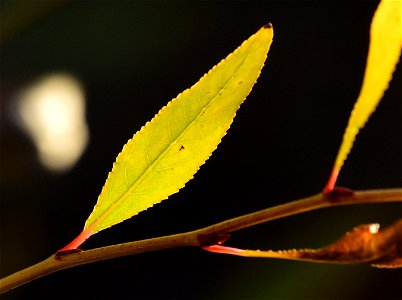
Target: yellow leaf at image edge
<point x="384" y="51"/>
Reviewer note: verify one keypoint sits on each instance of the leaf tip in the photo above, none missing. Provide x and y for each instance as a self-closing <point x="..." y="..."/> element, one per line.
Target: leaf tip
<point x="268" y="26"/>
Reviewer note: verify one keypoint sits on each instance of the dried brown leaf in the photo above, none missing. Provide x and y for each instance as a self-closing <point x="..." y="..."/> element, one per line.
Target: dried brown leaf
<point x="364" y="244"/>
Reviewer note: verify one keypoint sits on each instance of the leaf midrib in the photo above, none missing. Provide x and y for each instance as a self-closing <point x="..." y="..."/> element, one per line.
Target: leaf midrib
<point x="163" y="153"/>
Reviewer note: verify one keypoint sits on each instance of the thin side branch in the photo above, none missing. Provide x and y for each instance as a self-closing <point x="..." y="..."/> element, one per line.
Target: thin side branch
<point x="210" y="235"/>
<point x="338" y="197"/>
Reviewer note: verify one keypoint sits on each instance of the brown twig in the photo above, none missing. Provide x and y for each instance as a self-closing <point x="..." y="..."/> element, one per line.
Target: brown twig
<point x="210" y="235"/>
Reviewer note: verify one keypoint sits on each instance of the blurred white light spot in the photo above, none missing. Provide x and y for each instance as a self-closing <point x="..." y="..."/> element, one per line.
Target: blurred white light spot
<point x="52" y="111"/>
<point x="374" y="228"/>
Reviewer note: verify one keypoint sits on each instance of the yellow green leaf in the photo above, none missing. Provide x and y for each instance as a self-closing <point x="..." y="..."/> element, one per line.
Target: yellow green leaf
<point x="384" y="51"/>
<point x="169" y="150"/>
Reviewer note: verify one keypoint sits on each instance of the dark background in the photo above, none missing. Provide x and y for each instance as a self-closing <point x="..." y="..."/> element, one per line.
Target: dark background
<point x="132" y="58"/>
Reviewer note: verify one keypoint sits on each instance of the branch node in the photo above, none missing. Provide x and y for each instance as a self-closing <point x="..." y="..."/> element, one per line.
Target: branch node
<point x="62" y="253"/>
<point x="337" y="193"/>
<point x="213" y="239"/>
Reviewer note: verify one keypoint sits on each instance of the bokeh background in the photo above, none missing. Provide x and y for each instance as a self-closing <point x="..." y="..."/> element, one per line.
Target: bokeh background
<point x="126" y="59"/>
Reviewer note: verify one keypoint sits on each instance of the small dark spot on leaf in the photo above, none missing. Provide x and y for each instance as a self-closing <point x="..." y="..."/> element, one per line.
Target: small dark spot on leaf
<point x="240" y="82"/>
<point x="181" y="147"/>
